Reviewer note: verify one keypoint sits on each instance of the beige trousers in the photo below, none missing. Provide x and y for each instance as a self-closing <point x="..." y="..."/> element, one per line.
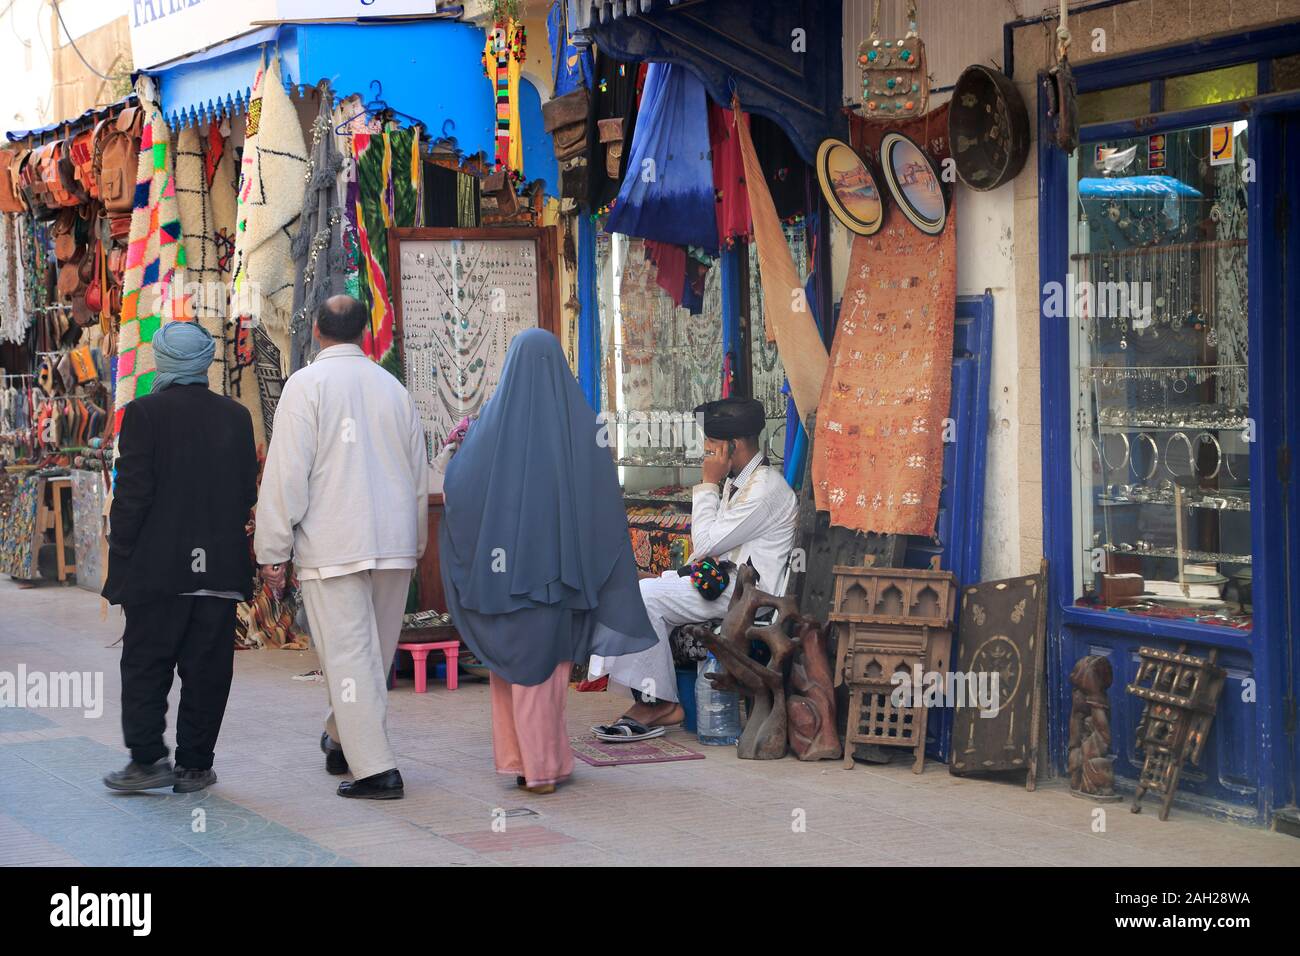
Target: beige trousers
<point x="356" y="620"/>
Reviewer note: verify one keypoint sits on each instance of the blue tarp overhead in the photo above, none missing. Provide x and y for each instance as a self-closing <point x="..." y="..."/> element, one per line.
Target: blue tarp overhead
<point x="430" y="69"/>
<point x="782" y="60"/>
<point x="220" y="80"/>
<point x="87" y="117"/>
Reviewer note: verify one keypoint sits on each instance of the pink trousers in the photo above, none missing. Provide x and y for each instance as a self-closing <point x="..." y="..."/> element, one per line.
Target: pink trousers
<point x="529" y="738"/>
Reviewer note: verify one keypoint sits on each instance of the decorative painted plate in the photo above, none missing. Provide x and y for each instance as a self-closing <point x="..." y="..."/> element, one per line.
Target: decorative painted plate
<point x="850" y="188"/>
<point x="914" y="182"/>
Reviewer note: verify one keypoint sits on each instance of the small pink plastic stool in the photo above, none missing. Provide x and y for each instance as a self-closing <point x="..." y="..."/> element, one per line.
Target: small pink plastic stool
<point x="419" y="652"/>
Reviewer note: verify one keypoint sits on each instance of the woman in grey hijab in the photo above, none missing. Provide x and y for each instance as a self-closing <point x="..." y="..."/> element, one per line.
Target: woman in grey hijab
<point x="535" y="554"/>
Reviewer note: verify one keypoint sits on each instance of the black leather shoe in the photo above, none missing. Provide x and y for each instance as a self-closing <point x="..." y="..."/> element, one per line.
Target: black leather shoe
<point x="140" y="776"/>
<point x="188" y="781"/>
<point x="335" y="762"/>
<point x="381" y="786"/>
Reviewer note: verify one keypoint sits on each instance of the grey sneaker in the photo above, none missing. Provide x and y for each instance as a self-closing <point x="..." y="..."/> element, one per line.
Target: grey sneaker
<point x="138" y="776"/>
<point x="188" y="781"/>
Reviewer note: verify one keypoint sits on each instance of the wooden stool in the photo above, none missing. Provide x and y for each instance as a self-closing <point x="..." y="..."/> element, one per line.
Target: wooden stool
<point x="50" y="517"/>
<point x="419" y="652"/>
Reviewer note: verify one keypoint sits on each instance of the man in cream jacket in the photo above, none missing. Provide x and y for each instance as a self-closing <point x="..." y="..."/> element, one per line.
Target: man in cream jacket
<point x="344" y="494"/>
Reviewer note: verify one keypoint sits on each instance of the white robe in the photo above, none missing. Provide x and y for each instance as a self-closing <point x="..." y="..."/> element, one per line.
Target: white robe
<point x="755" y="524"/>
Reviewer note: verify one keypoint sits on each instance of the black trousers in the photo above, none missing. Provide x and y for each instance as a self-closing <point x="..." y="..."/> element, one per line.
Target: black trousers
<point x="194" y="636"/>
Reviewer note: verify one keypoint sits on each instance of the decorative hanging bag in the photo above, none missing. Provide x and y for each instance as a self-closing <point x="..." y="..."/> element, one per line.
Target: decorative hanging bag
<point x="117" y="151"/>
<point x="894" y="81"/>
<point x="11" y="196"/>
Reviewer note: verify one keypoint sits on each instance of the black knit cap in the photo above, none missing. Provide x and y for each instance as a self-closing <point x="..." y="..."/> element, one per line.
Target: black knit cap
<point x="730" y="418"/>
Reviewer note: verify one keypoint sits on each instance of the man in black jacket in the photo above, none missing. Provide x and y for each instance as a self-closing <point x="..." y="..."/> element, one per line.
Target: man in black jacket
<point x="178" y="559"/>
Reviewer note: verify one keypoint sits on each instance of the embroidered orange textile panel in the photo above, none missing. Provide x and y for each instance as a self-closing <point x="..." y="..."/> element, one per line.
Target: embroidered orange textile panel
<point x="878" y="450"/>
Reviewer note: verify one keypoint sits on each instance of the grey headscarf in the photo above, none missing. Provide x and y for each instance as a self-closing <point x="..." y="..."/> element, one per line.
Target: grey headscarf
<point x="536" y="559"/>
<point x="182" y="352"/>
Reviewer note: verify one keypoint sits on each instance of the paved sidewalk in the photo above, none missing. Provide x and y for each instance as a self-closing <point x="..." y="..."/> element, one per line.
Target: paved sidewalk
<point x="275" y="804"/>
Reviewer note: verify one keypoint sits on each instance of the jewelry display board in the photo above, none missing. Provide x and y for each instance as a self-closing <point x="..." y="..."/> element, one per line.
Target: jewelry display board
<point x="461" y="295"/>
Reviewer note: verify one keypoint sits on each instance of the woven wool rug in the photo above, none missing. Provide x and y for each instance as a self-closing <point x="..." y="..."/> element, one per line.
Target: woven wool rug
<point x="271" y="189"/>
<point x="203" y="275"/>
<point x="598" y="753"/>
<point x="154" y="252"/>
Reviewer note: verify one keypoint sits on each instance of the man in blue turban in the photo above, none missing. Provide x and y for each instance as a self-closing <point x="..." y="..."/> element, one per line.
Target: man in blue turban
<point x="178" y="559"/>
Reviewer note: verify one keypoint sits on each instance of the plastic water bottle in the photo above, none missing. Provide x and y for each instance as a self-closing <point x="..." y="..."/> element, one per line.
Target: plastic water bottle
<point x="717" y="712"/>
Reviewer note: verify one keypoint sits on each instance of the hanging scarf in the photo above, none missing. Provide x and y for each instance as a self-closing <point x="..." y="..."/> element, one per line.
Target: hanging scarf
<point x="14" y="319"/>
<point x="503" y="56"/>
<point x="667" y="193"/>
<point x="318" y="246"/>
<point x="387" y="194"/>
<point x="788" y="321"/>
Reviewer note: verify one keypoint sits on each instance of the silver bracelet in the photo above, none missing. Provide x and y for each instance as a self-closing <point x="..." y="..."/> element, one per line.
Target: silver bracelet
<point x="1191" y="458"/>
<point x="1218" y="452"/>
<point x="1155" y="457"/>
<point x="1106" y="461"/>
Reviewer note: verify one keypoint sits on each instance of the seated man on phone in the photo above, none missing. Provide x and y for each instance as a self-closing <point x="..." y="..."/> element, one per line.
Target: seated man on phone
<point x="742" y="510"/>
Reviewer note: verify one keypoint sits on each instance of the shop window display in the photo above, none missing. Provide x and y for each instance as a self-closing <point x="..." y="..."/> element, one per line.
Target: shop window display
<point x="767" y="374"/>
<point x="1157" y="298"/>
<point x="658" y="362"/>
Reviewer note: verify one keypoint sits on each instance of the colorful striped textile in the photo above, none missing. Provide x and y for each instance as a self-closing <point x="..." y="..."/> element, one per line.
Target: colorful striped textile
<point x="503" y="57"/>
<point x="154" y="253"/>
<point x="387" y="194"/>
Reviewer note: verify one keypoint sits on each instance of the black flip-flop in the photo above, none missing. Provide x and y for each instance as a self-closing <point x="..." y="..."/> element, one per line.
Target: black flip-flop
<point x="625" y="730"/>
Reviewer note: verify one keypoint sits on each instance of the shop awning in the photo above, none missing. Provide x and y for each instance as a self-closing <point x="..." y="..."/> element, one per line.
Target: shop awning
<point x="429" y="69"/>
<point x="781" y="59"/>
<point x="75" y="124"/>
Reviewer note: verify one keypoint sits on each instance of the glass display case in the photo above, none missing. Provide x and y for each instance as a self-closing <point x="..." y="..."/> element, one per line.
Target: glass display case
<point x="1156" y="295"/>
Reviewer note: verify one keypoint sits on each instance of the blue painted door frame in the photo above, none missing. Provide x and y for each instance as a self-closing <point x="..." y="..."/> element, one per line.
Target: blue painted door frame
<point x="1249" y="768"/>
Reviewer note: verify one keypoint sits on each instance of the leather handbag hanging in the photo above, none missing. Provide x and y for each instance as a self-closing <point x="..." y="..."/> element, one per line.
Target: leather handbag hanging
<point x="894" y="82"/>
<point x="64" y="234"/>
<point x="11" y="197"/>
<point x="117" y="154"/>
<point x="52" y="172"/>
<point x="565" y="118"/>
<point x="81" y="149"/>
<point x="35" y="192"/>
<point x="68" y="172"/>
<point x="611" y="134"/>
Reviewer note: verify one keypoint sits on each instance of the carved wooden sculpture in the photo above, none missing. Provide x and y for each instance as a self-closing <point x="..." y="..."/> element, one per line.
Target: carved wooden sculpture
<point x="811" y="705"/>
<point x="1092" y="771"/>
<point x="764" y="737"/>
<point x="1180" y="694"/>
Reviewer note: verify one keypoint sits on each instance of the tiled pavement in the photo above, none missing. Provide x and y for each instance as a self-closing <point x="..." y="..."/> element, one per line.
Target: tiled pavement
<point x="275" y="803"/>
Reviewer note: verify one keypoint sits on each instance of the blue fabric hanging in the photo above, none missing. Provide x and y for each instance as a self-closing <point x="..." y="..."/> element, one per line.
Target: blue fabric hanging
<point x="572" y="66"/>
<point x="667" y="193"/>
<point x="796" y="439"/>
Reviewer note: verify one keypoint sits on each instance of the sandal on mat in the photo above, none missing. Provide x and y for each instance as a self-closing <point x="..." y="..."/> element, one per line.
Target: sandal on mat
<point x="625" y="729"/>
